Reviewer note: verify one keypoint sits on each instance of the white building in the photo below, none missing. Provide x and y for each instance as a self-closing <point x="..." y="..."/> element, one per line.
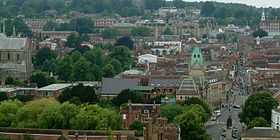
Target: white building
<point x="161" y="48"/>
<point x="275" y="119"/>
<point x="147" y="58"/>
<point x="165" y="11"/>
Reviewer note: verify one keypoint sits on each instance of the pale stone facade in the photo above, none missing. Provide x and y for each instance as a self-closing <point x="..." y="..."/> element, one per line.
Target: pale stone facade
<point x="15" y="58"/>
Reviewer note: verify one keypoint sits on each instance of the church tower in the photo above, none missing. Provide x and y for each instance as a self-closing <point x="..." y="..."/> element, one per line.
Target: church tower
<point x="197" y="63"/>
<point x="263" y="16"/>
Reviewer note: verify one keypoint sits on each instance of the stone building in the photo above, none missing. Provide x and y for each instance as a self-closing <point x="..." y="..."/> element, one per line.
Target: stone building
<point x="159" y="129"/>
<point x="272" y="27"/>
<point x="15" y="58"/>
<point x="138" y="112"/>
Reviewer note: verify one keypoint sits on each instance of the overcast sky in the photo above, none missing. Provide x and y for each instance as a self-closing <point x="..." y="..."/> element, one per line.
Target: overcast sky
<point x="258" y="3"/>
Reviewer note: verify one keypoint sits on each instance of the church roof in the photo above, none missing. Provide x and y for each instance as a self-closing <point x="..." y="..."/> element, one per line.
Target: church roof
<point x="187" y="87"/>
<point x="12" y="43"/>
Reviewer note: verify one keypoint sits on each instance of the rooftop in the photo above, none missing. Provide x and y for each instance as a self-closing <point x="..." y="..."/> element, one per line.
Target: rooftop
<point x="55" y="87"/>
<point x="262" y="132"/>
<point x="12" y="43"/>
<point x="114" y="86"/>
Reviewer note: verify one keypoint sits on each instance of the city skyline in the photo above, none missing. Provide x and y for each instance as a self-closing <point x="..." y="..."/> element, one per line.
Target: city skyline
<point x="257" y="3"/>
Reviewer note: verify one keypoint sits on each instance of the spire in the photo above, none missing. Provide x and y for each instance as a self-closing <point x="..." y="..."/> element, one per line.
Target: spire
<point x="263" y="16"/>
<point x="4" y="27"/>
<point x="14" y="31"/>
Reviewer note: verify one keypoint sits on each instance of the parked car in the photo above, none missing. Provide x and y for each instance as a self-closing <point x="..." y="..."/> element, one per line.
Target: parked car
<point x="213" y="118"/>
<point x="236" y="106"/>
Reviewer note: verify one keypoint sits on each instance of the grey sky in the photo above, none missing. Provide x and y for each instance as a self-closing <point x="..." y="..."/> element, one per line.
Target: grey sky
<point x="258" y="3"/>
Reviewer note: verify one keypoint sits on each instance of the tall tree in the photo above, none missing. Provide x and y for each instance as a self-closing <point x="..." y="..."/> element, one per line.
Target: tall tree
<point x="153" y="4"/>
<point x="260" y="33"/>
<point x="126" y="95"/>
<point x="123" y="55"/>
<point x="192" y="124"/>
<point x="258" y="122"/>
<point x="258" y="105"/>
<point x="125" y="41"/>
<point x="41" y="79"/>
<point x="170" y="111"/>
<point x="73" y="41"/>
<point x="43" y="55"/>
<point x="85" y="94"/>
<point x="207" y="9"/>
<point x="8" y="110"/>
<point x="109" y="33"/>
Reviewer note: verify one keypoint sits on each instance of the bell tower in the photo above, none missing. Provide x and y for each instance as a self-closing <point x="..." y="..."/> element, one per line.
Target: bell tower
<point x="197" y="63"/>
<point x="263" y="16"/>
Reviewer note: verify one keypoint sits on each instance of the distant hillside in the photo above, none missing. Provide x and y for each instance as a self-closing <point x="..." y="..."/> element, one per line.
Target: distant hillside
<point x="225" y="13"/>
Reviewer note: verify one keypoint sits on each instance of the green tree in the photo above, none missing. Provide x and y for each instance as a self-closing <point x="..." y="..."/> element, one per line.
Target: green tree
<point x="43" y="55"/>
<point x="81" y="70"/>
<point x="41" y="79"/>
<point x="192" y="124"/>
<point x="27" y="116"/>
<point x="153" y="4"/>
<point x="50" y="26"/>
<point x="168" y="31"/>
<point x="125" y="41"/>
<point x="3" y="96"/>
<point x="73" y="41"/>
<point x="208" y="8"/>
<point x="179" y="4"/>
<point x="20" y="27"/>
<point x="9" y="81"/>
<point x="65" y="68"/>
<point x="138" y="126"/>
<point x="258" y="122"/>
<point x="197" y="101"/>
<point x="85" y="94"/>
<point x="109" y="33"/>
<point x="83" y="25"/>
<point x="116" y="65"/>
<point x="68" y="112"/>
<point x="258" y="105"/>
<point x="141" y="31"/>
<point x="170" y="111"/>
<point x="8" y="110"/>
<point x="125" y="95"/>
<point x="93" y="117"/>
<point x="123" y="55"/>
<point x="51" y="118"/>
<point x="108" y="71"/>
<point x="260" y="33"/>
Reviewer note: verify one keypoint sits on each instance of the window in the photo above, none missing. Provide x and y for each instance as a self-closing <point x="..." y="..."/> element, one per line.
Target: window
<point x="18" y="57"/>
<point x="8" y="56"/>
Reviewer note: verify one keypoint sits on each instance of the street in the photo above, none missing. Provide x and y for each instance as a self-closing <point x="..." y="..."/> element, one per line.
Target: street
<point x="215" y="128"/>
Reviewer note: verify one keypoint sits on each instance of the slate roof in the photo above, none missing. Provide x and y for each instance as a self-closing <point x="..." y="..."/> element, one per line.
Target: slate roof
<point x="187" y="87"/>
<point x="262" y="132"/>
<point x="12" y="43"/>
<point x="113" y="86"/>
<point x="160" y="82"/>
